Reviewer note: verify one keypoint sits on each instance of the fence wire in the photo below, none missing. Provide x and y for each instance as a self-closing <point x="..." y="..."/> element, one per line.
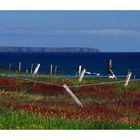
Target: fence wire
<point x="58" y="85"/>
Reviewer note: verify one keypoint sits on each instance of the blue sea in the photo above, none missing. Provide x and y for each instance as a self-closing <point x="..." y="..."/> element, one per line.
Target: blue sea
<point x="67" y="63"/>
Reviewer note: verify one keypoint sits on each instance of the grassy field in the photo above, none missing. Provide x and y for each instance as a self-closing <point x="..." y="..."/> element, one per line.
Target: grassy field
<point x="31" y="105"/>
<point x="13" y="119"/>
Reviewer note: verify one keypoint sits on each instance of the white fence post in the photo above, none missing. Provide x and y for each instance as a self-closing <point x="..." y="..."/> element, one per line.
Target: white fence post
<point x="55" y="69"/>
<point x="27" y="71"/>
<point x="113" y="75"/>
<point x="110" y="63"/>
<point x="31" y="69"/>
<point x="10" y="66"/>
<point x="79" y="70"/>
<point x="19" y="66"/>
<point x="127" y="78"/>
<point x="72" y="95"/>
<point x="36" y="69"/>
<point x="81" y="75"/>
<point x="51" y="67"/>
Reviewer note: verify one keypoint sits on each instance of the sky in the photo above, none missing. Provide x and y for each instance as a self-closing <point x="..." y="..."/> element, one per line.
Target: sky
<point x="108" y="31"/>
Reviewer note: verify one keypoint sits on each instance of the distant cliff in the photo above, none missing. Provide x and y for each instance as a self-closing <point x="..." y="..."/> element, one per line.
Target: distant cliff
<point x="49" y="50"/>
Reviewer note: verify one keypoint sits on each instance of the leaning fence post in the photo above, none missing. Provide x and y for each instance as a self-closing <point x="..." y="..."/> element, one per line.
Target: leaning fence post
<point x="72" y="95"/>
<point x="128" y="78"/>
<point x="36" y="69"/>
<point x="81" y="75"/>
<point x="113" y="75"/>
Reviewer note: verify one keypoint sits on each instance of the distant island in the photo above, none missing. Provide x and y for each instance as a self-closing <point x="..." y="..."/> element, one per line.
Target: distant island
<point x="49" y="49"/>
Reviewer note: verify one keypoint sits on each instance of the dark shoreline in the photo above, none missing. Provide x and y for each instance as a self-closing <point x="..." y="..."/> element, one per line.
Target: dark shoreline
<point x="49" y="49"/>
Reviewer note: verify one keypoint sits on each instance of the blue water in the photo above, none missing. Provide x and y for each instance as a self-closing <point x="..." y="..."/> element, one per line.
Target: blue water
<point x="67" y="63"/>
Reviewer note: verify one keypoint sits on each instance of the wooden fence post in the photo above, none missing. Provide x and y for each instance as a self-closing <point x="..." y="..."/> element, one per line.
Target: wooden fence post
<point x="19" y="66"/>
<point x="51" y="67"/>
<point x="127" y="78"/>
<point x="79" y="70"/>
<point x="55" y="69"/>
<point x="72" y="95"/>
<point x="81" y="75"/>
<point x="36" y="69"/>
<point x="31" y="69"/>
<point x="10" y="67"/>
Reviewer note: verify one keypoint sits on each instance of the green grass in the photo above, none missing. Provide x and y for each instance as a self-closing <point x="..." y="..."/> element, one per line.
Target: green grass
<point x="12" y="119"/>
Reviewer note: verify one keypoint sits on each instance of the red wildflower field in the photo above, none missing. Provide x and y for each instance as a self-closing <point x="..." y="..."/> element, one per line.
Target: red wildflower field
<point x="101" y="102"/>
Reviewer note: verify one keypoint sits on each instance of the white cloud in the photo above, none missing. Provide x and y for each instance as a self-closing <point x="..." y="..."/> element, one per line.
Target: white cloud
<point x="45" y="31"/>
<point x="112" y="32"/>
<point x="116" y="32"/>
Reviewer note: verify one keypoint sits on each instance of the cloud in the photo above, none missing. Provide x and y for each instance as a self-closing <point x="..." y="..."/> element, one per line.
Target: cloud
<point x="111" y="32"/>
<point x="117" y="32"/>
<point x="45" y="31"/>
